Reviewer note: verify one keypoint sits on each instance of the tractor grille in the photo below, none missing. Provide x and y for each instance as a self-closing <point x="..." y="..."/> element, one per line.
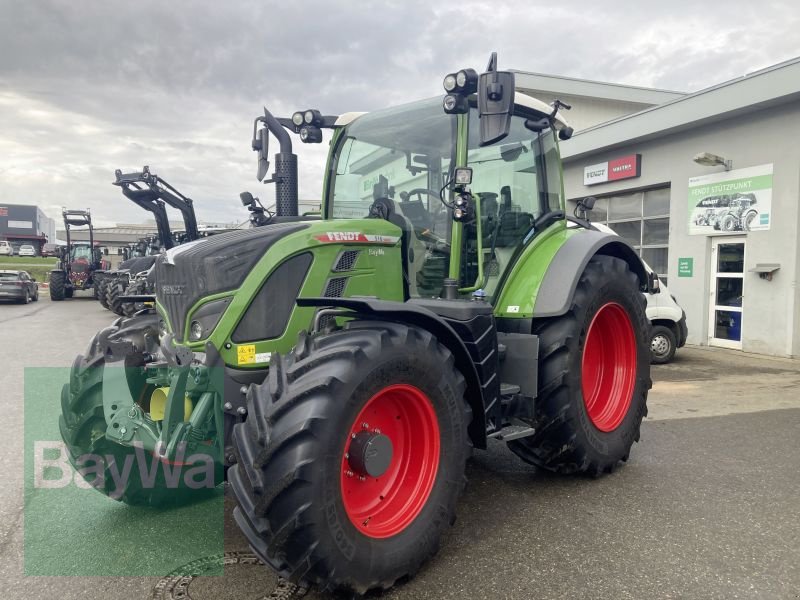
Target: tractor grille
<point x="346" y="261"/>
<point x="335" y="287"/>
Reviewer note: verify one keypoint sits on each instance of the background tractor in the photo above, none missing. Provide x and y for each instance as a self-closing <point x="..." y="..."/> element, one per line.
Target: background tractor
<point x="133" y="276"/>
<point x="739" y="214"/>
<point x="342" y="370"/>
<point x="78" y="261"/>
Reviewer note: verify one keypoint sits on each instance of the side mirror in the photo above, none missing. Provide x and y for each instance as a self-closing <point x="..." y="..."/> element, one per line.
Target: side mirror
<point x="261" y="145"/>
<point x="495" y="102"/>
<point x="246" y="198"/>
<point x="653" y="283"/>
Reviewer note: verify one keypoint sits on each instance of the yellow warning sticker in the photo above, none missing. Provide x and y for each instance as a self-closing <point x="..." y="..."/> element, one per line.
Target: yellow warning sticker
<point x="246" y="354"/>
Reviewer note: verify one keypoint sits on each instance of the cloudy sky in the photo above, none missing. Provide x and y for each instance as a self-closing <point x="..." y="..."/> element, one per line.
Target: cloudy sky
<point x="88" y="87"/>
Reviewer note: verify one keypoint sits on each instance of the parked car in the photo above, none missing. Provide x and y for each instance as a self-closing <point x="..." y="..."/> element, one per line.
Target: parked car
<point x="5" y="249"/>
<point x="18" y="286"/>
<point x="50" y="250"/>
<point x="27" y="250"/>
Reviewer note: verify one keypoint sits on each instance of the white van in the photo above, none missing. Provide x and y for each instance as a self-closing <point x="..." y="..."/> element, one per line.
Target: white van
<point x="5" y="249"/>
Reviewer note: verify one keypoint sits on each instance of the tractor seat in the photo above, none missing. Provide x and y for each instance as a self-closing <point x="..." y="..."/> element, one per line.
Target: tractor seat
<point x="513" y="227"/>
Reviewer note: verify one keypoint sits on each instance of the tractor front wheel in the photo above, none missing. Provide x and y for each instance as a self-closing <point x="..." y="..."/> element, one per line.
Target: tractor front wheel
<point x="729" y="223"/>
<point x="58" y="282"/>
<point x="594" y="374"/>
<point x="147" y="480"/>
<point x="352" y="457"/>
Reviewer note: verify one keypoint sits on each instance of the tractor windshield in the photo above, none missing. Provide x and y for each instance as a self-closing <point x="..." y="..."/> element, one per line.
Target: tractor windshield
<point x="402" y="153"/>
<point x="81" y="253"/>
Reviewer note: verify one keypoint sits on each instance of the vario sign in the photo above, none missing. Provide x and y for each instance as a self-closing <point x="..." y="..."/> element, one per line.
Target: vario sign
<point x="624" y="167"/>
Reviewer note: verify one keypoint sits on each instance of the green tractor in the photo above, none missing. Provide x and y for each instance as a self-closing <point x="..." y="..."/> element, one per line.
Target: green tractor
<point x="341" y="371"/>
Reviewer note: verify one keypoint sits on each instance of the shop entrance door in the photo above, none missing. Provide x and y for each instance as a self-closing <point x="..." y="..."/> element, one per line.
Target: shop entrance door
<point x="727" y="292"/>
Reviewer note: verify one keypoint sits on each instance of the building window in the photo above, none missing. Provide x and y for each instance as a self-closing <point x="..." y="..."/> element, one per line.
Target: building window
<point x="642" y="218"/>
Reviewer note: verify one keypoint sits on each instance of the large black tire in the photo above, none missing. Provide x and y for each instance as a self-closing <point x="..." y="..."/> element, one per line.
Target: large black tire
<point x="58" y="281"/>
<point x="102" y="290"/>
<point x="662" y="345"/>
<point x="748" y="220"/>
<point x="291" y="474"/>
<point x="729" y="223"/>
<point x="83" y="425"/>
<point x="114" y="290"/>
<point x="136" y="288"/>
<point x="568" y="438"/>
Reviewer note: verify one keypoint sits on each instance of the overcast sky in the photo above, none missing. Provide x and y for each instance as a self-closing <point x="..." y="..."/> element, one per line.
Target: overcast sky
<point x="89" y="87"/>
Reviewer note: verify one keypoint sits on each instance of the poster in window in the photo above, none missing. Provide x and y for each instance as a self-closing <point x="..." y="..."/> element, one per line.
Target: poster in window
<point x="731" y="201"/>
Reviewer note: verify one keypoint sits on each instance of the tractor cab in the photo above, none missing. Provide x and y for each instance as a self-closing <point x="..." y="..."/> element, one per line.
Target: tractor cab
<point x="401" y="162"/>
<point x="80" y="254"/>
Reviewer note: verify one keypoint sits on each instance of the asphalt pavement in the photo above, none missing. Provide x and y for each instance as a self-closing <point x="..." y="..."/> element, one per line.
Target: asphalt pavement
<point x="707" y="507"/>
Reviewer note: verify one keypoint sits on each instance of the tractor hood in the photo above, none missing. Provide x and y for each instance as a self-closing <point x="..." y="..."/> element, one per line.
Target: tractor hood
<point x="187" y="273"/>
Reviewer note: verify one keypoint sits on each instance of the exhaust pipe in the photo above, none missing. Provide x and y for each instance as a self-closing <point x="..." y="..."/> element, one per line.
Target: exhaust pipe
<point x="285" y="175"/>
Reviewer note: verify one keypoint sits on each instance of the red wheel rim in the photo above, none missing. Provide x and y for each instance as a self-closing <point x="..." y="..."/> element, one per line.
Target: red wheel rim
<point x="608" y="367"/>
<point x="383" y="506"/>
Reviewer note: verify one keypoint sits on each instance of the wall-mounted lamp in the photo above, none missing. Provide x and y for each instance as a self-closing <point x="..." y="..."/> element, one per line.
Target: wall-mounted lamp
<point x="765" y="270"/>
<point x="712" y="160"/>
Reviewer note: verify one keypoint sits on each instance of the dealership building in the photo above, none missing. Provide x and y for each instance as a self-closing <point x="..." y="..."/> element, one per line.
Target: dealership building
<point x="26" y="224"/>
<point x="706" y="187"/>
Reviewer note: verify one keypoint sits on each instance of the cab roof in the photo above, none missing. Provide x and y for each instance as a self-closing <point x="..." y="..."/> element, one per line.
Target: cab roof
<point x="520" y="99"/>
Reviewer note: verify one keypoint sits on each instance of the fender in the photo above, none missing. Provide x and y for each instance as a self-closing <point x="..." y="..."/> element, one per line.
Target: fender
<point x="482" y="389"/>
<point x="561" y="279"/>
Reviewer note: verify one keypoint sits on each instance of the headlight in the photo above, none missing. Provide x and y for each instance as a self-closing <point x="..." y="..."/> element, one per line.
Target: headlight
<point x="297" y="118"/>
<point x="449" y="83"/>
<point x="205" y="319"/>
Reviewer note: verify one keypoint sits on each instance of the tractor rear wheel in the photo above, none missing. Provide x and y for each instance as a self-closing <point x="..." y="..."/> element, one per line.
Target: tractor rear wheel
<point x="594" y="374"/>
<point x="352" y="457"/>
<point x="115" y="289"/>
<point x="83" y="424"/>
<point x="58" y="281"/>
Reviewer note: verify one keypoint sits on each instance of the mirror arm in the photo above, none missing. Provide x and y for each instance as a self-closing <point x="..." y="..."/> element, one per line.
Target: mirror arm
<point x="276" y="128"/>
